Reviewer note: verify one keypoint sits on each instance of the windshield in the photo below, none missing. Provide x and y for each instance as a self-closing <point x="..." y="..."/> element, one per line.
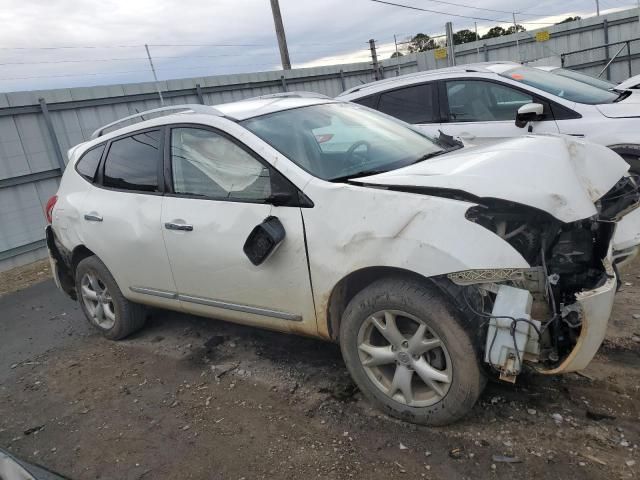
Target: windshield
<point x="560" y="86"/>
<point x="335" y="141"/>
<point x="584" y="78"/>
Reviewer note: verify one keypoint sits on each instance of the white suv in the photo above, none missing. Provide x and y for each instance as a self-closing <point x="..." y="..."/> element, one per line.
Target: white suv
<point x="422" y="258"/>
<point x="503" y="99"/>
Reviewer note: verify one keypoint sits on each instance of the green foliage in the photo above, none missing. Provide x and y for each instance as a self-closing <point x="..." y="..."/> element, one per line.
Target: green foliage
<point x="570" y="19"/>
<point x="422" y="43"/>
<point x="464" y="36"/>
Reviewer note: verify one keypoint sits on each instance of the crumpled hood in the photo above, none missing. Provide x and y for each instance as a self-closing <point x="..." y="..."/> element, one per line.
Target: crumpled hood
<point x="554" y="173"/>
<point x="627" y="108"/>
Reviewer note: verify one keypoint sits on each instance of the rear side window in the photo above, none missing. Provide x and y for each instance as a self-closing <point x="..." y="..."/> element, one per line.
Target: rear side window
<point x="411" y="104"/>
<point x="132" y="162"/>
<point x="367" y="101"/>
<point x="88" y="163"/>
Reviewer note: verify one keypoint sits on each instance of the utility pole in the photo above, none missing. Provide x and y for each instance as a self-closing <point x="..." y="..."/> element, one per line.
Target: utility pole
<point x="395" y="40"/>
<point x="155" y="77"/>
<point x="515" y="26"/>
<point x="598" y="8"/>
<point x="478" y="40"/>
<point x="374" y="59"/>
<point x="282" y="39"/>
<point x="451" y="54"/>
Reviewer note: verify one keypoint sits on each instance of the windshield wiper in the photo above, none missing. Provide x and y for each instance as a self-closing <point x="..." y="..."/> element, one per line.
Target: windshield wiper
<point x="361" y="173"/>
<point x="427" y="156"/>
<point x="621" y="95"/>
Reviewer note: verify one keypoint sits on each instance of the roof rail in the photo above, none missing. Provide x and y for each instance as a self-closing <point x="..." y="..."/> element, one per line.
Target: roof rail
<point x="293" y="95"/>
<point x="194" y="108"/>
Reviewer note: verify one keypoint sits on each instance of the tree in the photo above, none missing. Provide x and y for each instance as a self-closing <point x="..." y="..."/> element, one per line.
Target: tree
<point x="421" y="43"/>
<point x="464" y="36"/>
<point x="570" y="19"/>
<point x="515" y="28"/>
<point x="495" y="32"/>
<point x="397" y="54"/>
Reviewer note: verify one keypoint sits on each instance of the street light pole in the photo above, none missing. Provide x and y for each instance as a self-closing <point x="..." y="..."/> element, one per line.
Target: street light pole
<point x="598" y="8"/>
<point x="282" y="39"/>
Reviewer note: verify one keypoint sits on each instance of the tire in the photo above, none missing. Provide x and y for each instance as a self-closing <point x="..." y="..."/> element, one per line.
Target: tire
<point x="415" y="306"/>
<point x="102" y="301"/>
<point x="631" y="154"/>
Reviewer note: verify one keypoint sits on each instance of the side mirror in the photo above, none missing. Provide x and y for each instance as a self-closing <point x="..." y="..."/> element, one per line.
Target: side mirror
<point x="263" y="240"/>
<point x="529" y="113"/>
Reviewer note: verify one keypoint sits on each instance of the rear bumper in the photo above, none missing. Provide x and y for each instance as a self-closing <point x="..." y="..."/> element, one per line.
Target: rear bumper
<point x="595" y="307"/>
<point x="60" y="261"/>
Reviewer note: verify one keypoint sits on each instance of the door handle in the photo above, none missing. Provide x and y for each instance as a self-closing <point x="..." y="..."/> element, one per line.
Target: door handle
<point x="183" y="227"/>
<point x="92" y="217"/>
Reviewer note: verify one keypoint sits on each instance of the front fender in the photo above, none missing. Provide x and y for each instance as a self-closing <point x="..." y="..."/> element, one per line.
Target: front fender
<point x="353" y="227"/>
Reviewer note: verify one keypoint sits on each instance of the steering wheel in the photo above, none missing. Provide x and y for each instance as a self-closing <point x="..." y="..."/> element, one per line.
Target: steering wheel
<point x="351" y="153"/>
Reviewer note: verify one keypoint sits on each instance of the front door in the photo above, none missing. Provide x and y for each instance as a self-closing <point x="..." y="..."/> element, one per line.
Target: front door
<point x="220" y="193"/>
<point x="478" y="111"/>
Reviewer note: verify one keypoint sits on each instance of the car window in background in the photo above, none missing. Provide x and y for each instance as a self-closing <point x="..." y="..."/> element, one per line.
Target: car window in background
<point x="363" y="140"/>
<point x="410" y="104"/>
<point x="132" y="162"/>
<point x="207" y="164"/>
<point x="560" y="86"/>
<point x="369" y="101"/>
<point x="584" y="78"/>
<point x="88" y="164"/>
<point x="481" y="101"/>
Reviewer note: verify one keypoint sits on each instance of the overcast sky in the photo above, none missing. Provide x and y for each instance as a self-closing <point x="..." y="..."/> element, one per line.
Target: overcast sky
<point x="104" y="40"/>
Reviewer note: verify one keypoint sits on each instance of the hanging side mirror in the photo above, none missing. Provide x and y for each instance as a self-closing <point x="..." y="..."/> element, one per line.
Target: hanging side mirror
<point x="529" y="113"/>
<point x="263" y="240"/>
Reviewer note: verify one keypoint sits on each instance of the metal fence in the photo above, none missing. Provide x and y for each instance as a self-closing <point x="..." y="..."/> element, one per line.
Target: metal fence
<point x="37" y="128"/>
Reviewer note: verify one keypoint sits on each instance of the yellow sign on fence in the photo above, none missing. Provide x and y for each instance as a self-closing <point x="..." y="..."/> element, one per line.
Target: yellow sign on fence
<point x="543" y="36"/>
<point x="440" y="53"/>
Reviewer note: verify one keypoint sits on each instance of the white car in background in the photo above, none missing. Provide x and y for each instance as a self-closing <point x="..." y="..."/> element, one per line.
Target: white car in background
<point x="481" y="102"/>
<point x="628" y="84"/>
<point x="423" y="259"/>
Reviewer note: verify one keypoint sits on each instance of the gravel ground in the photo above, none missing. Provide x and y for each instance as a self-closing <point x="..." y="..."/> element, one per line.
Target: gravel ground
<point x="195" y="398"/>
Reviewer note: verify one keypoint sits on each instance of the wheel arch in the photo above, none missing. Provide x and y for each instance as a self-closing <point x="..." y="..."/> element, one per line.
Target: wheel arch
<point x="354" y="282"/>
<point x="630" y="153"/>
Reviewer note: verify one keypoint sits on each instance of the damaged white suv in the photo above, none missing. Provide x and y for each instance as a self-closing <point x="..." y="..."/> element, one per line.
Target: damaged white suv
<point x="432" y="265"/>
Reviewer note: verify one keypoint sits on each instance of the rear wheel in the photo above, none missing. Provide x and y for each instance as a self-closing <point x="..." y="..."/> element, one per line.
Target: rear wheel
<point x="103" y="303"/>
<point x="408" y="354"/>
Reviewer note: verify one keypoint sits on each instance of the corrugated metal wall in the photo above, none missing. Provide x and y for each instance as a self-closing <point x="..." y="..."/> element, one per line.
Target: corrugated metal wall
<point x="30" y="162"/>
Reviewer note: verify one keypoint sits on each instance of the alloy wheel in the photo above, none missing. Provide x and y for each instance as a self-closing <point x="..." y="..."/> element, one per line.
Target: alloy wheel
<point x="404" y="358"/>
<point x="98" y="301"/>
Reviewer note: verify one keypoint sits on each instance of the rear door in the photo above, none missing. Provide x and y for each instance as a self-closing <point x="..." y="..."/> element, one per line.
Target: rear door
<point x="415" y="104"/>
<point x="475" y="109"/>
<point x="219" y="191"/>
<point x="121" y="218"/>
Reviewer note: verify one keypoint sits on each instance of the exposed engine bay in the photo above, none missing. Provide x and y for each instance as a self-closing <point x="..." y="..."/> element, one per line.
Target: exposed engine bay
<point x="540" y="315"/>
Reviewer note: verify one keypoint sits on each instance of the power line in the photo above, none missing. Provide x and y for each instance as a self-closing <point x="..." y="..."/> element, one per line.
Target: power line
<point x="481" y="8"/>
<point x="456" y="14"/>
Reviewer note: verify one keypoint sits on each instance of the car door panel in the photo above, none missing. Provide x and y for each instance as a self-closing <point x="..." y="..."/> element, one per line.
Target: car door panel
<point x="480" y="111"/>
<point x="213" y="275"/>
<point x="121" y="224"/>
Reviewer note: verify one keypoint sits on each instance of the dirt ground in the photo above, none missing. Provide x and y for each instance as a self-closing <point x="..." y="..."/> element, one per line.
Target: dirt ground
<point x="194" y="398"/>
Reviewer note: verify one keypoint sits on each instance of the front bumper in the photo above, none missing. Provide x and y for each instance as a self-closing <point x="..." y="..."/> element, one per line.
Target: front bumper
<point x="595" y="307"/>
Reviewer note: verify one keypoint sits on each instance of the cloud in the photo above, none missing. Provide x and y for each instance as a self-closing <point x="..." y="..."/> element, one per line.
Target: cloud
<point x="318" y="33"/>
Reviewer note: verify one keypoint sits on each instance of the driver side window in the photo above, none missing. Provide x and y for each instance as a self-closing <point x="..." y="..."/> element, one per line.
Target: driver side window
<point x="207" y="164"/>
<point x="480" y="101"/>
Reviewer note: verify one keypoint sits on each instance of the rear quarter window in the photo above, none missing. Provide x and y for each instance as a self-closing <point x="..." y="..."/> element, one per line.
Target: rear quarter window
<point x="87" y="166"/>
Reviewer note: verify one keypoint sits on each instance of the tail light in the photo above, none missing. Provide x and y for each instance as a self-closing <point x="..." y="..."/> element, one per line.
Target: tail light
<point x="48" y="210"/>
<point x="324" y="137"/>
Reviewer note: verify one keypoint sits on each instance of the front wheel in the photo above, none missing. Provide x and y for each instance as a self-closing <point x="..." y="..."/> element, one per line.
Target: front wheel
<point x="408" y="354"/>
<point x="631" y="154"/>
<point x="103" y="303"/>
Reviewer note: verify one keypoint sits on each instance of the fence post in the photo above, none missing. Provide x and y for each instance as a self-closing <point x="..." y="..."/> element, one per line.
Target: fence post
<point x="629" y="58"/>
<point x="605" y="27"/>
<point x="486" y="52"/>
<point x="199" y="94"/>
<point x="284" y="83"/>
<point x="342" y="82"/>
<point x="52" y="134"/>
